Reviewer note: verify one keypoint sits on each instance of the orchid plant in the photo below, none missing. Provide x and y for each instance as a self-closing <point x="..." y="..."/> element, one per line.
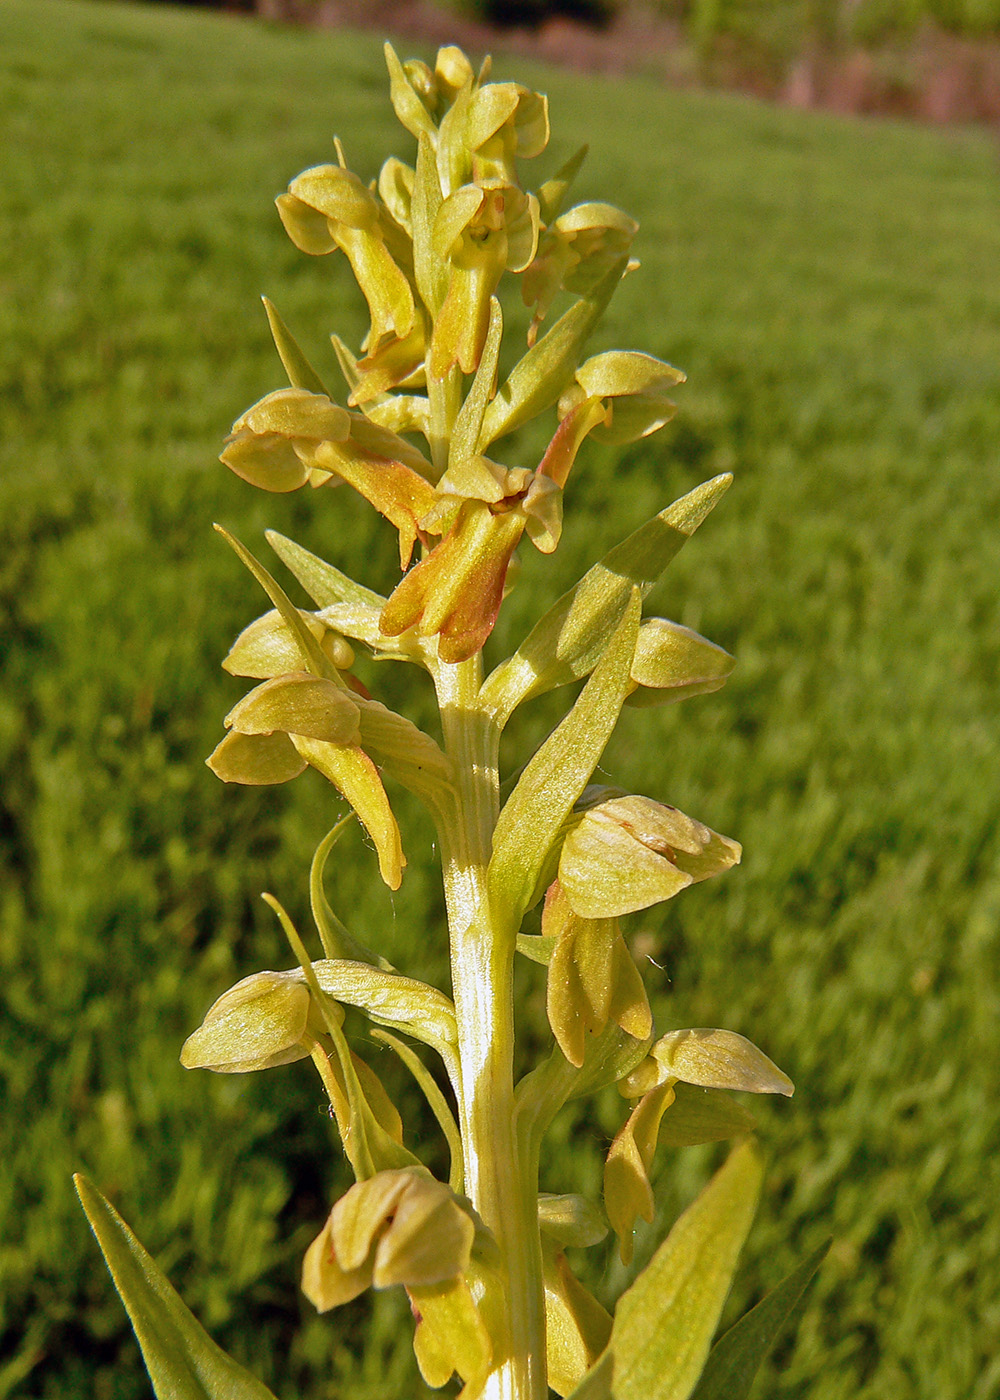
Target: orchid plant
<point x="481" y="1256"/>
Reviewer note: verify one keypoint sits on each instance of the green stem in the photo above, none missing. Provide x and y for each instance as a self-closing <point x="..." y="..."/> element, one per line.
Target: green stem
<point x="445" y="398"/>
<point x="499" y="1181"/>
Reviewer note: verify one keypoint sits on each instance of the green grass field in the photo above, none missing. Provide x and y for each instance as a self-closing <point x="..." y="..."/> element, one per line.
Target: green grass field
<point x="831" y="289"/>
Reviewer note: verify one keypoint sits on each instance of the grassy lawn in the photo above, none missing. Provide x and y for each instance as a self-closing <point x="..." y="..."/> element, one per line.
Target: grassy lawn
<point x="831" y="288"/>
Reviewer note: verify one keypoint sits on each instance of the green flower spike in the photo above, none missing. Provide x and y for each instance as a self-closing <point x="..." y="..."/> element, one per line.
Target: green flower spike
<point x="493" y="1295"/>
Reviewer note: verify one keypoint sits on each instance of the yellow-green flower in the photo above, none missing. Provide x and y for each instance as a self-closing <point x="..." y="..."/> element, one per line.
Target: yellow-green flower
<point x="398" y="1227"/>
<point x="297" y="720"/>
<point x="574" y="253"/>
<point x="328" y="207"/>
<point x="629" y="852"/>
<point x="480" y="231"/>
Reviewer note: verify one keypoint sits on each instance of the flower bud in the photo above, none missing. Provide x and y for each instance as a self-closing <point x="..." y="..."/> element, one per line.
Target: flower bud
<point x="259" y="1023"/>
<point x="672" y="663"/>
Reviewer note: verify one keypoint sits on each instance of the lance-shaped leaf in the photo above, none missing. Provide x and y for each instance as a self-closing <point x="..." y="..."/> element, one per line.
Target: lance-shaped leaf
<point x="627" y="853"/>
<point x="347" y="606"/>
<point x="627" y="1190"/>
<point x="301" y="374"/>
<point x="734" y="1360"/>
<point x="407" y="101"/>
<point x="313" y="659"/>
<point x="566" y="643"/>
<point x="537" y="380"/>
<point x="596" y="1384"/>
<point x="557" y="774"/>
<point x="552" y="194"/>
<point x="261" y="1022"/>
<point x="337" y="940"/>
<point x="324" y="584"/>
<point x="436" y="1100"/>
<point x="672" y="663"/>
<point x="664" y="1323"/>
<point x="430" y="268"/>
<point x="468" y="425"/>
<point x="577" y="1327"/>
<point x="182" y="1360"/>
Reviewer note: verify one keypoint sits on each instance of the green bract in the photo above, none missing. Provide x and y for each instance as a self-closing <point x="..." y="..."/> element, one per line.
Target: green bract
<point x="417" y="430"/>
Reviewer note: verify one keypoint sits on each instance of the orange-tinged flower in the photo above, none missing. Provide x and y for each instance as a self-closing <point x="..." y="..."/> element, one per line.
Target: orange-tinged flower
<point x="457" y="590"/>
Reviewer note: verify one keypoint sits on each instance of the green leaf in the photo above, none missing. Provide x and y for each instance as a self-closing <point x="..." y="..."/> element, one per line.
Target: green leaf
<point x="552" y="195"/>
<point x="324" y="584"/>
<point x="313" y="658"/>
<point x="664" y="1323"/>
<point x="537" y="380"/>
<point x="183" y="1361"/>
<point x="336" y="938"/>
<point x="566" y="643"/>
<point x="301" y="374"/>
<point x="347" y="607"/>
<point x="438" y="1105"/>
<point x="557" y="774"/>
<point x="429" y="270"/>
<point x="734" y="1360"/>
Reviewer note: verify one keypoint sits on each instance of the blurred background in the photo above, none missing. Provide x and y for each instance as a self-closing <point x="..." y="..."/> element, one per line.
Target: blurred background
<point x="829" y="283"/>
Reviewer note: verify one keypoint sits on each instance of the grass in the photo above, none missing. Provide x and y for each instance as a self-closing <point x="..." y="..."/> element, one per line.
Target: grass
<point x="830" y="287"/>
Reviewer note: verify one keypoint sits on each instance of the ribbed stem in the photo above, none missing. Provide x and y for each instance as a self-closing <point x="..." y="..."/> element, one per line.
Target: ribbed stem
<point x="482" y="967"/>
